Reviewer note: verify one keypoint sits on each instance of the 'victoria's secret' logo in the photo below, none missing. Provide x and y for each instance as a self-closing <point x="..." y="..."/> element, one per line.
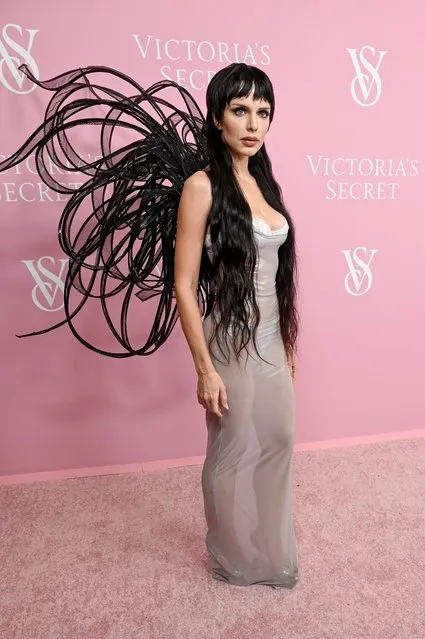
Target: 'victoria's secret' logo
<point x="178" y="57"/>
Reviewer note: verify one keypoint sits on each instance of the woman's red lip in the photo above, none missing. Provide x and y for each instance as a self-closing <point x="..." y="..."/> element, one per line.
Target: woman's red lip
<point x="251" y="139"/>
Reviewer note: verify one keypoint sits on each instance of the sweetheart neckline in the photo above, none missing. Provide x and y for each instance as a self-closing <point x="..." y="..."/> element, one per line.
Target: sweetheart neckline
<point x="279" y="228"/>
<point x="260" y="221"/>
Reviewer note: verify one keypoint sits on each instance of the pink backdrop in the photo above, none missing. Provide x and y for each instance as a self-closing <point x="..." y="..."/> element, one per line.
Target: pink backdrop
<point x="347" y="146"/>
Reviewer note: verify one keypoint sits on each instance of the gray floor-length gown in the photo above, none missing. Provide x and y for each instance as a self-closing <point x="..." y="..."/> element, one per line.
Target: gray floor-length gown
<point x="247" y="474"/>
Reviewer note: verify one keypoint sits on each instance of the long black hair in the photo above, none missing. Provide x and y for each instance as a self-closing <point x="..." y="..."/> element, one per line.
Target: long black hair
<point x="234" y="251"/>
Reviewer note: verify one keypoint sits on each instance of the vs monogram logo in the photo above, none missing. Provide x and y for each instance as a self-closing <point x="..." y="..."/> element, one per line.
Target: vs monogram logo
<point x="354" y="276"/>
<point x="368" y="79"/>
<point x="47" y="287"/>
<point x="7" y="46"/>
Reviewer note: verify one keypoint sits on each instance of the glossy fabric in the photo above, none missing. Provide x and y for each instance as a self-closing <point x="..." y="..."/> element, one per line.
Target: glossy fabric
<point x="247" y="474"/>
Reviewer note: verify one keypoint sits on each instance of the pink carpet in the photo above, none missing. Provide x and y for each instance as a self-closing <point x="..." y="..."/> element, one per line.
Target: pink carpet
<point x="122" y="556"/>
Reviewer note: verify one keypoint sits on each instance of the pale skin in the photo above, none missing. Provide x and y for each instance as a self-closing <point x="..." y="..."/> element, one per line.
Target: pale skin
<point x="242" y="117"/>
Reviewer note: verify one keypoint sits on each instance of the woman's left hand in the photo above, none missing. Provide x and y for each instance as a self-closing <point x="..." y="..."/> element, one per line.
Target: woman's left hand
<point x="292" y="368"/>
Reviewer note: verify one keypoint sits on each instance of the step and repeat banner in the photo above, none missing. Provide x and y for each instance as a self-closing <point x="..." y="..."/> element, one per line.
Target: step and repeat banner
<point x="347" y="146"/>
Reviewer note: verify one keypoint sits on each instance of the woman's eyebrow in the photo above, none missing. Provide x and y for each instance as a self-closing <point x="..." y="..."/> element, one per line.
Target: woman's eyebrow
<point x="245" y="106"/>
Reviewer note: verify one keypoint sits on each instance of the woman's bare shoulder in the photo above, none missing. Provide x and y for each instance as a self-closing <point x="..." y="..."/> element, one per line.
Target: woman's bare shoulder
<point x="197" y="189"/>
<point x="199" y="180"/>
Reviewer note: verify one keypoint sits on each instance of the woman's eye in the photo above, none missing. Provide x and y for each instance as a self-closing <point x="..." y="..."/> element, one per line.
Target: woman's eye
<point x="240" y="111"/>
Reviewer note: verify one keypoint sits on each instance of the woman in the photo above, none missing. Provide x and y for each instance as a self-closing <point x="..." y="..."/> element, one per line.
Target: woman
<point x="189" y="217"/>
<point x="234" y="208"/>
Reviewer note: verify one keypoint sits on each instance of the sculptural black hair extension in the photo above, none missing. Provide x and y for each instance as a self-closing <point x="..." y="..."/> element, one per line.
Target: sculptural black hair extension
<point x="125" y="245"/>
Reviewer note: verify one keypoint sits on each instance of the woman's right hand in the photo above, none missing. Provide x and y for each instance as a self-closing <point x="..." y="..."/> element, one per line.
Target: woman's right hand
<point x="212" y="392"/>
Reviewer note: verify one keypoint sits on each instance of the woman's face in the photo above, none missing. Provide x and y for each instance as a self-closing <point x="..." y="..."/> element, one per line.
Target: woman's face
<point x="244" y="124"/>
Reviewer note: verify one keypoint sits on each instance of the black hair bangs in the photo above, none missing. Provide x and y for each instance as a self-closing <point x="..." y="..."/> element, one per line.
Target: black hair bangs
<point x="253" y="79"/>
<point x="238" y="80"/>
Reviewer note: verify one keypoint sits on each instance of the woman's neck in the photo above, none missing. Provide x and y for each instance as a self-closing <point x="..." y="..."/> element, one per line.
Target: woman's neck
<point x="240" y="167"/>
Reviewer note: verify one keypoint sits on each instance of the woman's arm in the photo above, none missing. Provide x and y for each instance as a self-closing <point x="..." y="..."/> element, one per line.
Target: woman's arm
<point x="195" y="204"/>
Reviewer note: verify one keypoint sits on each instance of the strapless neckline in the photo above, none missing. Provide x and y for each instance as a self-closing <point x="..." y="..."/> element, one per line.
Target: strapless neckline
<point x="263" y="226"/>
